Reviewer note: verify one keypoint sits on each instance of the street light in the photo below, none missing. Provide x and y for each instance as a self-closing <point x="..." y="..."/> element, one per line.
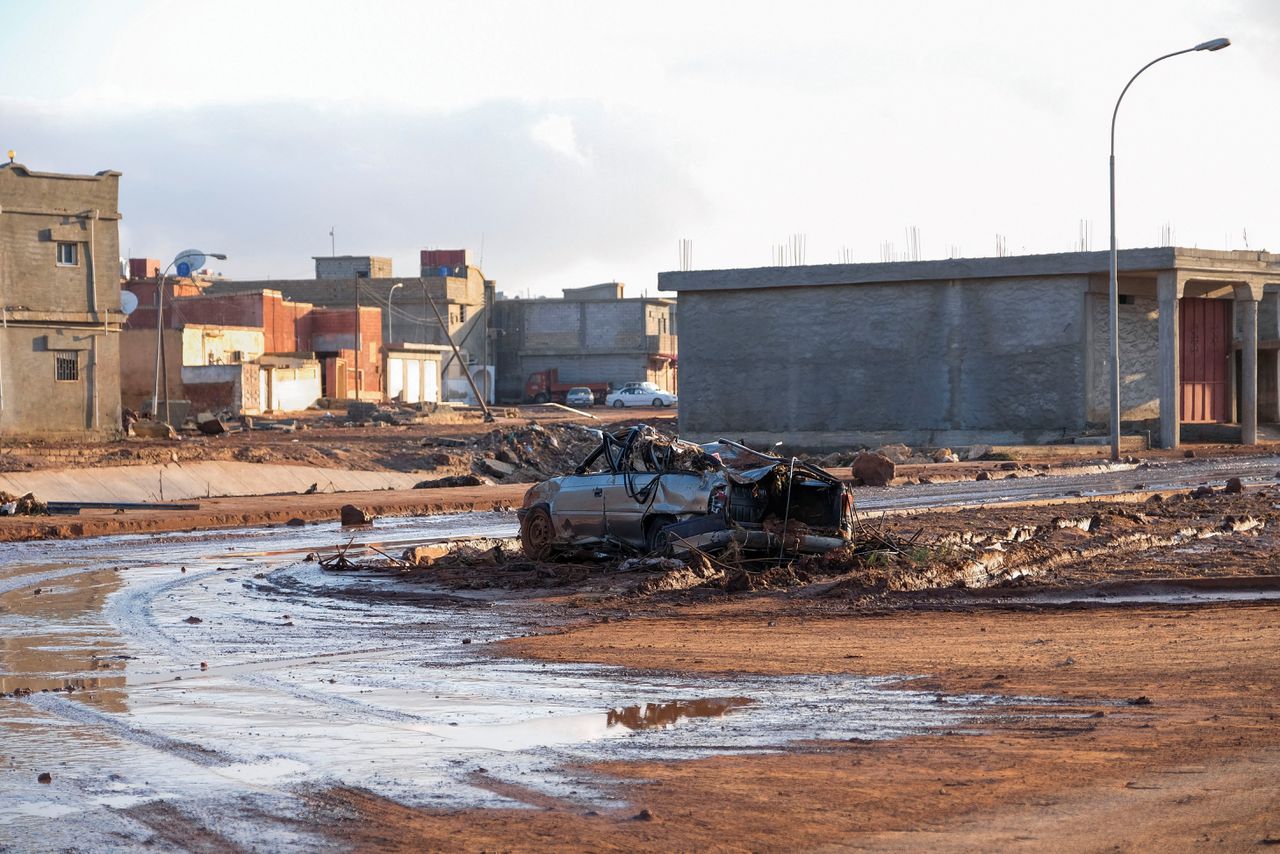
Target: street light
<point x="1113" y="293"/>
<point x="390" y="318"/>
<point x="191" y="255"/>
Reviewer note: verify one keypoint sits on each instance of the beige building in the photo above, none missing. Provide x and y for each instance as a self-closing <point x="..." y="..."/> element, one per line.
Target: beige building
<point x="60" y="312"/>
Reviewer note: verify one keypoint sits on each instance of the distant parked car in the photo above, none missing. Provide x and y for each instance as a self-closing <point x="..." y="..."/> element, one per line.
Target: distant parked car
<point x="579" y="395"/>
<point x="639" y="395"/>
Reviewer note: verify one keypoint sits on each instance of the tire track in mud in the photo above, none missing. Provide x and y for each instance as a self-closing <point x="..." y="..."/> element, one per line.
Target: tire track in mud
<point x="35" y="579"/>
<point x="131" y="612"/>
<point x="114" y="725"/>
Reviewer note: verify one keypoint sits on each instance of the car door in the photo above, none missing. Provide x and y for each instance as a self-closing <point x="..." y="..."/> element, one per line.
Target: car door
<point x="623" y="514"/>
<point x="578" y="509"/>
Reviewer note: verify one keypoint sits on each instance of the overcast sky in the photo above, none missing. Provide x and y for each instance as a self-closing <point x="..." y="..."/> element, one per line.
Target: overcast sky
<point x="577" y="142"/>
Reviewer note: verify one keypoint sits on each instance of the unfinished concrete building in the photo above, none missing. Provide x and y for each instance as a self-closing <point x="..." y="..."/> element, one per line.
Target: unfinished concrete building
<point x="592" y="335"/>
<point x="459" y="290"/>
<point x="982" y="350"/>
<point x="60" y="312"/>
<point x="352" y="267"/>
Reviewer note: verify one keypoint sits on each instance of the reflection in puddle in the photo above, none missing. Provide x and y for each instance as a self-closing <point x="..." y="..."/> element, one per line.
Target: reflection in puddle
<point x="653" y="715"/>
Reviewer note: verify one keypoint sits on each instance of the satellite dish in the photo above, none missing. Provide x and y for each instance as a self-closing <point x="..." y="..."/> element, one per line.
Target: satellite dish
<point x="128" y="301"/>
<point x="188" y="261"/>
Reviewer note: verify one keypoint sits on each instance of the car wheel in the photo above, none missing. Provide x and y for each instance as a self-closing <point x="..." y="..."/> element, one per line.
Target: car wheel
<point x="617" y="404"/>
<point x="542" y="397"/>
<point x="654" y="539"/>
<point x="657" y="402"/>
<point x="537" y="533"/>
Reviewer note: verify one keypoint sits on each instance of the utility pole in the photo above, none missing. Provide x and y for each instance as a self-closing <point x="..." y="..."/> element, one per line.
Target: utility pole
<point x="466" y="372"/>
<point x="359" y="385"/>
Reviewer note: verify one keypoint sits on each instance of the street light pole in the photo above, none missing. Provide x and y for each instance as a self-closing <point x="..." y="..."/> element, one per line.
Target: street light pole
<point x="160" y="354"/>
<point x="1113" y="292"/>
<point x="390" y="315"/>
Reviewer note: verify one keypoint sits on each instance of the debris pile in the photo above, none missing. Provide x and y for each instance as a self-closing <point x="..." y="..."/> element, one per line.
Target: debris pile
<point x="532" y="453"/>
<point x="22" y="505"/>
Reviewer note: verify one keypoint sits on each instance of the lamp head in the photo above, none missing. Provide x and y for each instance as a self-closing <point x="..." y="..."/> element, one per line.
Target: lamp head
<point x="1214" y="44"/>
<point x="220" y="256"/>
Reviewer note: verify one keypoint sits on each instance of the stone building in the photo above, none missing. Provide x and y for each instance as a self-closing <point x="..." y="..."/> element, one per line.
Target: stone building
<point x="981" y="350"/>
<point x="60" y="312"/>
<point x="593" y="335"/>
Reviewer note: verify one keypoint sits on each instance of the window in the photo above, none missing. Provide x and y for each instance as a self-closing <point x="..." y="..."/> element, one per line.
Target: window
<point x="68" y="255"/>
<point x="67" y="367"/>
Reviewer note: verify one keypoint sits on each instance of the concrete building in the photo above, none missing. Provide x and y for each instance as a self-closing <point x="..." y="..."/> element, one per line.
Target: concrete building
<point x="978" y="350"/>
<point x="593" y="335"/>
<point x="285" y="341"/>
<point x="60" y="312"/>
<point x="460" y="291"/>
<point x="352" y="267"/>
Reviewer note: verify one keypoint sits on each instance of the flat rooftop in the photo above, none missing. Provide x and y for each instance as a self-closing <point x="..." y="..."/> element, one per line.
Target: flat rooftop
<point x="1217" y="262"/>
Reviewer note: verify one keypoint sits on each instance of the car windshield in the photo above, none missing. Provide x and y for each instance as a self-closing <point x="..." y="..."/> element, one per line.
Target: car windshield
<point x="580" y="390"/>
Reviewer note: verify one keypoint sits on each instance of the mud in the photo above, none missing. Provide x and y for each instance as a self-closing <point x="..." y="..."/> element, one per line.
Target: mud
<point x="220" y="677"/>
<point x="218" y="691"/>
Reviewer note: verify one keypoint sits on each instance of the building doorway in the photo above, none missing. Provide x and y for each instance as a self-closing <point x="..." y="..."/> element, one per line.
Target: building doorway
<point x="1204" y="333"/>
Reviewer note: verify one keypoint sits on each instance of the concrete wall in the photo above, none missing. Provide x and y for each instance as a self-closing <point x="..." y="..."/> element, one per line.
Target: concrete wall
<point x="928" y="362"/>
<point x="351" y="266"/>
<point x="1139" y="360"/>
<point x="219" y="345"/>
<point x="291" y="389"/>
<point x="138" y="366"/>
<point x="218" y="387"/>
<point x="35" y="402"/>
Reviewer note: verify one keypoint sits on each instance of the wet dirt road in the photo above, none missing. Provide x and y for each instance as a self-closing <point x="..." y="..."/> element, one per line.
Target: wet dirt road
<point x="1103" y="479"/>
<point x="190" y="690"/>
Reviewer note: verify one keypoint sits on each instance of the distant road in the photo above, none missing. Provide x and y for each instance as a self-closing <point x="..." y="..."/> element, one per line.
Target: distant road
<point x="1156" y="475"/>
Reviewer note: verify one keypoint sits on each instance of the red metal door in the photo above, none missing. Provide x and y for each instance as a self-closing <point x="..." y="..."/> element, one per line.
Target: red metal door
<point x="1203" y="330"/>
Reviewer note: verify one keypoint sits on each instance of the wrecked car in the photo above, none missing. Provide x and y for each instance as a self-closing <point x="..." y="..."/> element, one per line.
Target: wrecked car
<point x="641" y="491"/>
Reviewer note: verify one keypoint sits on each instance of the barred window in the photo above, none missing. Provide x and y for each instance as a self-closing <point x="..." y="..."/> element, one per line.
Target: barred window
<point x="67" y="367"/>
<point x="68" y="256"/>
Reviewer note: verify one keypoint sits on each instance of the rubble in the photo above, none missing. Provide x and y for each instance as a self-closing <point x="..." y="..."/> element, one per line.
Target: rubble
<point x="22" y="505"/>
<point x="453" y="481"/>
<point x="208" y="424"/>
<point x="897" y="454"/>
<point x="146" y="429"/>
<point x="496" y="468"/>
<point x="872" y="469"/>
<point x="352" y="515"/>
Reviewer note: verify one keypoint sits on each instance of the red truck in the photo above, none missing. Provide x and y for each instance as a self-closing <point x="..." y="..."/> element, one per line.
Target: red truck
<point x="545" y="387"/>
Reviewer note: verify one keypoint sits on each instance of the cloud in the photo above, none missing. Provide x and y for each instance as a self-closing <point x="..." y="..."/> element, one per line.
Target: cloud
<point x="546" y="187"/>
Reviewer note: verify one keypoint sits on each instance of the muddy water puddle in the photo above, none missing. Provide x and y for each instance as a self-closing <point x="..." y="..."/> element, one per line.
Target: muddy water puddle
<point x="225" y="688"/>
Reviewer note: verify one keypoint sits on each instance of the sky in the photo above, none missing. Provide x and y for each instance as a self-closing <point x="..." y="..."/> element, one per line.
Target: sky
<point x="569" y="143"/>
